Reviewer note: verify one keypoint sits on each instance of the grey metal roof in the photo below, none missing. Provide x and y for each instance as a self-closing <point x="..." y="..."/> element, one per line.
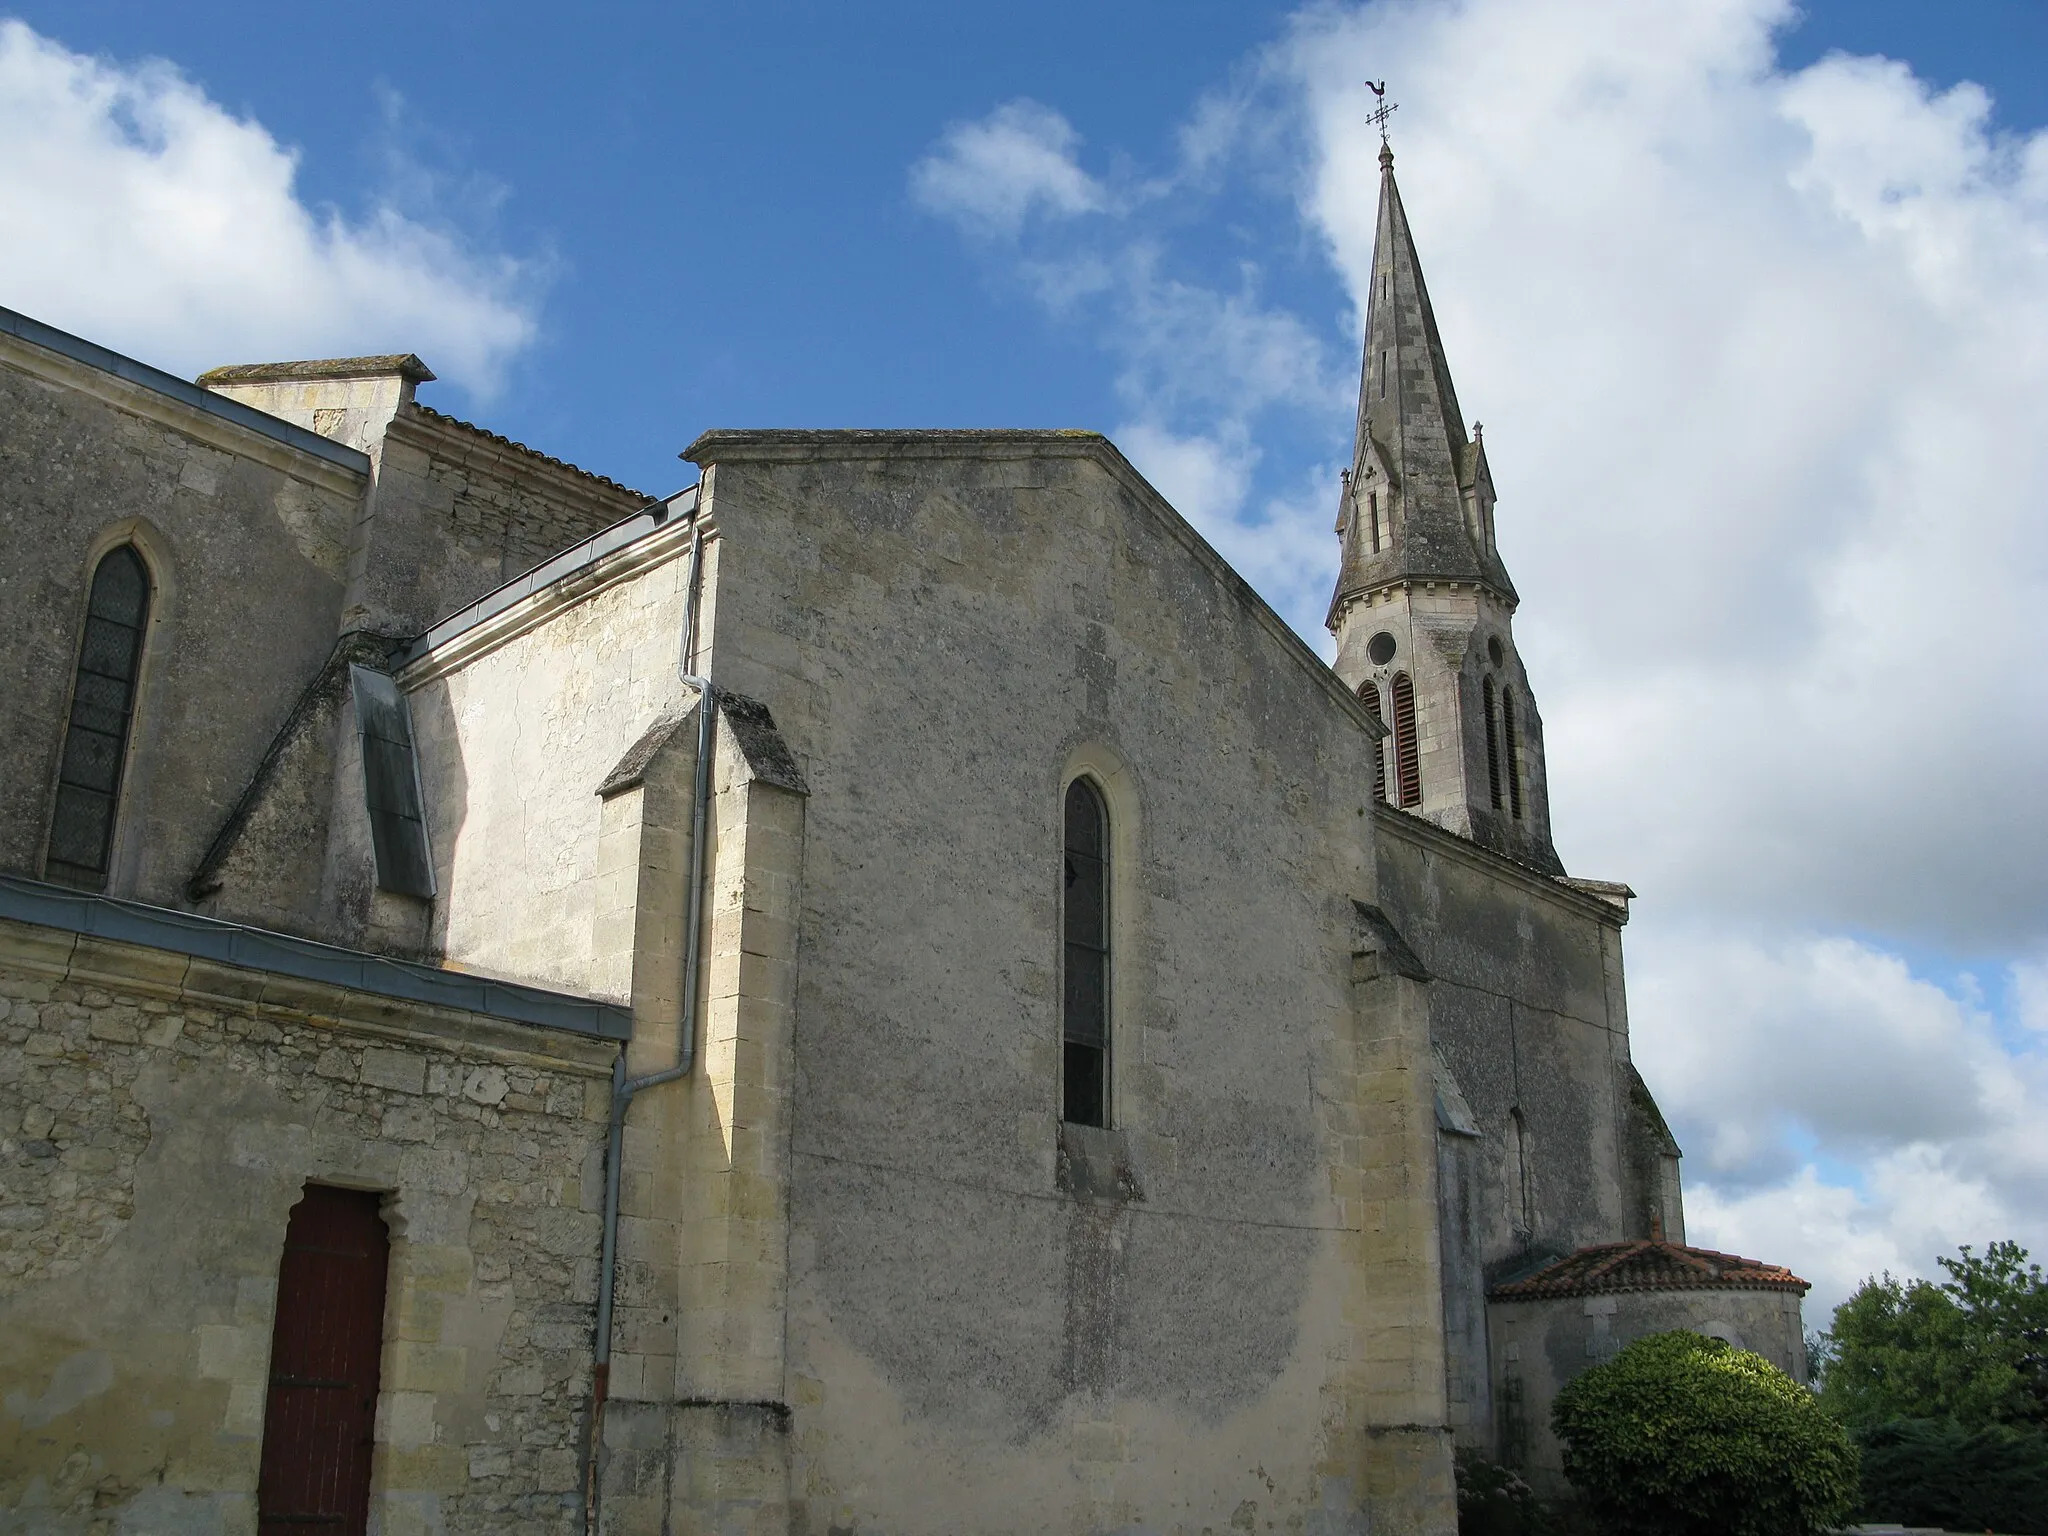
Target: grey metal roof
<point x="208" y="938"/>
<point x="606" y="541"/>
<point x="93" y="355"/>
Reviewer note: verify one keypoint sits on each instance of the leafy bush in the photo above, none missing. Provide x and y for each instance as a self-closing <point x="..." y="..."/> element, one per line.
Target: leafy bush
<point x="1492" y="1501"/>
<point x="1939" y="1472"/>
<point x="1680" y="1435"/>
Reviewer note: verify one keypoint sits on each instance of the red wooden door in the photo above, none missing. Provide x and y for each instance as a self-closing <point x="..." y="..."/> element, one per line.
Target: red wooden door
<point x="323" y="1366"/>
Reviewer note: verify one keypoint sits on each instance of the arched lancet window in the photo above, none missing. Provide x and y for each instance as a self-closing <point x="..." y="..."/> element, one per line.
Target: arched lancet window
<point x="1369" y="696"/>
<point x="1407" y="750"/>
<point x="1372" y="517"/>
<point x="1521" y="1212"/>
<point x="1492" y="743"/>
<point x="1085" y="918"/>
<point x="1512" y="744"/>
<point x="96" y="737"/>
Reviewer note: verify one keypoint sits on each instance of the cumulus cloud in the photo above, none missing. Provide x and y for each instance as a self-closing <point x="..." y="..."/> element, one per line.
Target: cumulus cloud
<point x="172" y="229"/>
<point x="992" y="174"/>
<point x="1833" y="1105"/>
<point x="1761" y="354"/>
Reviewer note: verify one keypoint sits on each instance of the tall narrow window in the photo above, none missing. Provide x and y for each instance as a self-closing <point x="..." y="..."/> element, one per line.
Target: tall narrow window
<point x="1369" y="696"/>
<point x="1521" y="1212"/>
<point x="1372" y="504"/>
<point x="1511" y="744"/>
<point x="1492" y="743"/>
<point x="1383" y="375"/>
<point x="1085" y="1069"/>
<point x="325" y="1344"/>
<point x="1407" y="750"/>
<point x="96" y="737"/>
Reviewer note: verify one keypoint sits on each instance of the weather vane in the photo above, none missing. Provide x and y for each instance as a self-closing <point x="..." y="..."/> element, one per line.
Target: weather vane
<point x="1382" y="110"/>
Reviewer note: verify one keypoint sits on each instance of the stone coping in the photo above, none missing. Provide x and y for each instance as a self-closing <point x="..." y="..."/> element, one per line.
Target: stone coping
<point x="93" y="355"/>
<point x="209" y="938"/>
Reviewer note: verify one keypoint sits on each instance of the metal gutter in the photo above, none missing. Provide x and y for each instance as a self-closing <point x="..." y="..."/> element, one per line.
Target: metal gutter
<point x="93" y="355"/>
<point x="280" y="954"/>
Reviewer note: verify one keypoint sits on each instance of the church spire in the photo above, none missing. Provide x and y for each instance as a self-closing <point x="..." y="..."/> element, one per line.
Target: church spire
<point x="1419" y="503"/>
<point x="1423" y="611"/>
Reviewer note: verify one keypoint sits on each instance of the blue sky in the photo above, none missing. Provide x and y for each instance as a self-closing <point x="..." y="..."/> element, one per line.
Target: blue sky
<point x="718" y="192"/>
<point x="1758" y="323"/>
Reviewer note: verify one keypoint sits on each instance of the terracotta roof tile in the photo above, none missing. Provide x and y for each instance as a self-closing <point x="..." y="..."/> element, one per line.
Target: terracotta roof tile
<point x="1648" y="1266"/>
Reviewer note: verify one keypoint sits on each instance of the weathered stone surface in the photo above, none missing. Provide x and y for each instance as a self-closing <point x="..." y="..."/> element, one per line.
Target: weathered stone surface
<point x="149" y="1177"/>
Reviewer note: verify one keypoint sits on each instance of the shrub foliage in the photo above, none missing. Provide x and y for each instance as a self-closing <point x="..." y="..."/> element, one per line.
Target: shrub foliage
<point x="1680" y="1434"/>
<point x="1493" y="1501"/>
<point x="1936" y="1472"/>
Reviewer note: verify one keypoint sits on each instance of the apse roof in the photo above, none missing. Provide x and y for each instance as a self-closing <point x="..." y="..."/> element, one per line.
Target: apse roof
<point x="1651" y="1265"/>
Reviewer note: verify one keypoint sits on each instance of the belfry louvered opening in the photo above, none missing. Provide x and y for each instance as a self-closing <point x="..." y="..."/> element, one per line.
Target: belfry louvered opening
<point x="1369" y="696"/>
<point x="81" y="846"/>
<point x="1513" y="747"/>
<point x="1407" y="749"/>
<point x="1492" y="742"/>
<point x="1085" y="919"/>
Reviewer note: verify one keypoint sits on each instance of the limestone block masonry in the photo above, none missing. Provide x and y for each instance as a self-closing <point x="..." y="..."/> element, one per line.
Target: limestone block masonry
<point x="159" y="1123"/>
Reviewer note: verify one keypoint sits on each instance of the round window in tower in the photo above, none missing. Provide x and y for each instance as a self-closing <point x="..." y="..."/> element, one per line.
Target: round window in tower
<point x="1493" y="650"/>
<point x="1380" y="648"/>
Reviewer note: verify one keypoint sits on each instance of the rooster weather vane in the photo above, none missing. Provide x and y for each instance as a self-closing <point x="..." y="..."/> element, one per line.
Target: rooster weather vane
<point x="1382" y="108"/>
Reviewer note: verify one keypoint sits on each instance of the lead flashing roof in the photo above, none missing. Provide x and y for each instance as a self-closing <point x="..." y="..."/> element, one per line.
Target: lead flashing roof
<point x="606" y="541"/>
<point x="256" y="949"/>
<point x="93" y="355"/>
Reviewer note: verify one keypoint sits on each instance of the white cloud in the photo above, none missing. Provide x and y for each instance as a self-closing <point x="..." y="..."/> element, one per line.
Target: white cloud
<point x="1761" y="354"/>
<point x="990" y="175"/>
<point x="2030" y="994"/>
<point x="1775" y="1060"/>
<point x="168" y="227"/>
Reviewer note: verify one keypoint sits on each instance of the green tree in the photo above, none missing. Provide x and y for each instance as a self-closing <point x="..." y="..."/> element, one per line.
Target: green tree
<point x="1680" y="1435"/>
<point x="1973" y="1348"/>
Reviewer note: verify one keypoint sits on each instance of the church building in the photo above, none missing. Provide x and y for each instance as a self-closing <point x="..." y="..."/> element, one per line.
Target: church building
<point x="885" y="992"/>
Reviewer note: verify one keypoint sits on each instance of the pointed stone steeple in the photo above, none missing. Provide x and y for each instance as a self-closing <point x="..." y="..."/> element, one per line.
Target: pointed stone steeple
<point x="1421" y="502"/>
<point x="1423" y="605"/>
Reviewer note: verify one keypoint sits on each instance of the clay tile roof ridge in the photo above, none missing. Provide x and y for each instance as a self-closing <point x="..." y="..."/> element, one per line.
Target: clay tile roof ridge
<point x="444" y="419"/>
<point x="1648" y="1265"/>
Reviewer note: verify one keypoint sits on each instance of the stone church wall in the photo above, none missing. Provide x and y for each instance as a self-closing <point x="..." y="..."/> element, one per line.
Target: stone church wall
<point x="246" y="533"/>
<point x="1527" y="1014"/>
<point x="159" y="1121"/>
<point x="1225" y="1308"/>
<point x="1539" y="1346"/>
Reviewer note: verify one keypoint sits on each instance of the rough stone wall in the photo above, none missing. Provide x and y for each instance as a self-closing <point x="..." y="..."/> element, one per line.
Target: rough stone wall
<point x="458" y="514"/>
<point x="247" y="540"/>
<point x="158" y="1126"/>
<point x="1539" y="1346"/>
<point x="945" y="638"/>
<point x="1528" y="1014"/>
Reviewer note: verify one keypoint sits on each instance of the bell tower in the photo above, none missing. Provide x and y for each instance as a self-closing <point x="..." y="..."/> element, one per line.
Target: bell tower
<point x="1423" y="608"/>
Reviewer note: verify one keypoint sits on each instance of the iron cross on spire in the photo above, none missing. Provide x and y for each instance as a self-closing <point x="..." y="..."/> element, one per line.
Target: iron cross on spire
<point x="1382" y="108"/>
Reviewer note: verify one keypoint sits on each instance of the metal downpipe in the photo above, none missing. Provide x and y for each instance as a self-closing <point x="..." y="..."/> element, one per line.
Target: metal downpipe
<point x="624" y="1088"/>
